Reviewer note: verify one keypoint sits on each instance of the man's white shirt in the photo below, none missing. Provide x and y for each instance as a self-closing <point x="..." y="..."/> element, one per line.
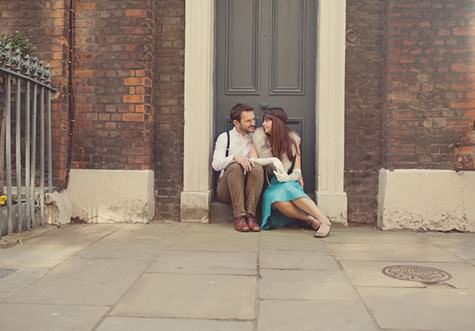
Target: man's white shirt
<point x="238" y="145"/>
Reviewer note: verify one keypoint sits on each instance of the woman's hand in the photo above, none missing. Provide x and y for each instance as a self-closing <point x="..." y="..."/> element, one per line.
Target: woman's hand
<point x="301" y="181"/>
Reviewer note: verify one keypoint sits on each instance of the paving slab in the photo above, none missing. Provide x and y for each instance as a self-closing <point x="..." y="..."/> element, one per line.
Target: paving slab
<point x="190" y="296"/>
<point x="222" y="228"/>
<point x="209" y="241"/>
<point x="151" y="230"/>
<point x="200" y="262"/>
<point x="152" y="324"/>
<point x="296" y="241"/>
<point x="81" y="281"/>
<point x="26" y="317"/>
<point x="367" y="273"/>
<point x="450" y="238"/>
<point x="277" y="259"/>
<point x="370" y="235"/>
<point x="4" y="294"/>
<point x="53" y="247"/>
<point x="328" y="315"/>
<point x="464" y="250"/>
<point x="125" y="248"/>
<point x="20" y="279"/>
<point x="391" y="252"/>
<point x="421" y="308"/>
<point x="306" y="285"/>
<point x="78" y="234"/>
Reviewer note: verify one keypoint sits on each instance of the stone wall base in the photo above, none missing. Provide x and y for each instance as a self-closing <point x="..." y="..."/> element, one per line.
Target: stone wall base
<point x="334" y="205"/>
<point x="195" y="206"/>
<point x="439" y="200"/>
<point x="112" y="196"/>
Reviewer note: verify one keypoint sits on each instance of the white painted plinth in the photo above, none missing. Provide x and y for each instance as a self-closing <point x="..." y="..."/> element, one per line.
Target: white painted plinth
<point x="112" y="196"/>
<point x="440" y="200"/>
<point x="334" y="205"/>
<point x="195" y="206"/>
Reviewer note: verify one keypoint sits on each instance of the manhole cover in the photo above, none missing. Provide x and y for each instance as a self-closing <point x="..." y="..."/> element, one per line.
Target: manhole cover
<point x="416" y="273"/>
<point x="6" y="272"/>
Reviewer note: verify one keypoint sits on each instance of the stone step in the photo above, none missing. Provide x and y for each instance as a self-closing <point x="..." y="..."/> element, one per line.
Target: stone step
<point x="220" y="213"/>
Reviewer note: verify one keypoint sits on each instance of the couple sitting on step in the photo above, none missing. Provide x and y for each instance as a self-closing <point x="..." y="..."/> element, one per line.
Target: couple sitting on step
<point x="246" y="157"/>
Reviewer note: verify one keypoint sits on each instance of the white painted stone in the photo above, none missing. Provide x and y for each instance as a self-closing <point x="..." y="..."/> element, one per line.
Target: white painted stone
<point x="199" y="99"/>
<point x="330" y="109"/>
<point x="334" y="205"/>
<point x="59" y="207"/>
<point x="112" y="196"/>
<point x="195" y="206"/>
<point x="420" y="199"/>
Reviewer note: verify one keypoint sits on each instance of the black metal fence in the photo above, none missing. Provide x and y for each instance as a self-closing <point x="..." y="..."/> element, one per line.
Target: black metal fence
<point x="26" y="136"/>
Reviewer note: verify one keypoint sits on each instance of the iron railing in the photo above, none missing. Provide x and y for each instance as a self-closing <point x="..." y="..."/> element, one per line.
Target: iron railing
<point x="27" y="98"/>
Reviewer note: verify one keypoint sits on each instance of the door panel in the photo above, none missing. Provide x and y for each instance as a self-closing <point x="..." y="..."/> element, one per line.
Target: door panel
<point x="265" y="56"/>
<point x="287" y="49"/>
<point x="241" y="47"/>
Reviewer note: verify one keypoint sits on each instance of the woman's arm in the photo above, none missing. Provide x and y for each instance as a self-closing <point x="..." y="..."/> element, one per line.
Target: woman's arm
<point x="298" y="164"/>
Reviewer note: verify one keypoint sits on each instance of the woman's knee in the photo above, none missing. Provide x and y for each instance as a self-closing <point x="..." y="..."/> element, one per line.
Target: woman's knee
<point x="281" y="205"/>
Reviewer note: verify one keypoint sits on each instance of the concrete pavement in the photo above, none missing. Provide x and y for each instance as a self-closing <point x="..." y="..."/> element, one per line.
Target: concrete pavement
<point x="174" y="276"/>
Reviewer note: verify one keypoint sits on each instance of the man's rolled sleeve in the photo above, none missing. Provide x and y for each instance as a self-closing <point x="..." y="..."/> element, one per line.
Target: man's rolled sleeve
<point x="220" y="161"/>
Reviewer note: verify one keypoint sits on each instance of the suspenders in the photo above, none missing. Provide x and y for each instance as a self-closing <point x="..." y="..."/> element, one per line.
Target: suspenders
<point x="227" y="146"/>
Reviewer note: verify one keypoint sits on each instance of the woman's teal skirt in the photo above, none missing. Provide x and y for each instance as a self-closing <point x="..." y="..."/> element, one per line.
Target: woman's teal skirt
<point x="279" y="192"/>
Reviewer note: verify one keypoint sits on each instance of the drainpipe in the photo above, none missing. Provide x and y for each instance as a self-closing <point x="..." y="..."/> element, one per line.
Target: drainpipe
<point x="71" y="105"/>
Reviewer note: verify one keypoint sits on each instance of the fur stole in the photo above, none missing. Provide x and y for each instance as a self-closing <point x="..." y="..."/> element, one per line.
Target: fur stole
<point x="264" y="149"/>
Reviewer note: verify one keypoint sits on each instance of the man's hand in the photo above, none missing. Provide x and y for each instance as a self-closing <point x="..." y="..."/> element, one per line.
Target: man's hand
<point x="245" y="163"/>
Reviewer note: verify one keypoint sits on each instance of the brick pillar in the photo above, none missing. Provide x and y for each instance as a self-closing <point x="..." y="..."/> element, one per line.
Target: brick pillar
<point x="168" y="102"/>
<point x="364" y="106"/>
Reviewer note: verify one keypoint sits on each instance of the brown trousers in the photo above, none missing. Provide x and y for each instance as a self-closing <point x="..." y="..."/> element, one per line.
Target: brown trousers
<point x="241" y="191"/>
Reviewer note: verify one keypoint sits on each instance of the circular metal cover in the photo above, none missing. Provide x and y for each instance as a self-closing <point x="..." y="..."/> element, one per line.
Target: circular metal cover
<point x="415" y="273"/>
<point x="6" y="272"/>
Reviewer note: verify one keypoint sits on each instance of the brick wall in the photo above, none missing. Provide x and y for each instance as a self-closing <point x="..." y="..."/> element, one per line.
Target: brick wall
<point x="430" y="99"/>
<point x="113" y="59"/>
<point x="168" y="102"/>
<point x="45" y="23"/>
<point x="364" y="110"/>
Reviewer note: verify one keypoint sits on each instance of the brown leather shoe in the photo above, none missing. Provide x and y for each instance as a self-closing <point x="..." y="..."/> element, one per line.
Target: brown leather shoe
<point x="240" y="224"/>
<point x="251" y="222"/>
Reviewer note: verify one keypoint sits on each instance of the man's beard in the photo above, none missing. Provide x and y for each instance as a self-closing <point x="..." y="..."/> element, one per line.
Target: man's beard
<point x="250" y="129"/>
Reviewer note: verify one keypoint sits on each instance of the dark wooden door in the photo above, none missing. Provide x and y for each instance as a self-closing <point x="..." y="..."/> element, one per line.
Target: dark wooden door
<point x="265" y="56"/>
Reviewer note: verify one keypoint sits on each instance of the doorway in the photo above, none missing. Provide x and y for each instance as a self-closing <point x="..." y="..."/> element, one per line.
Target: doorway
<point x="265" y="56"/>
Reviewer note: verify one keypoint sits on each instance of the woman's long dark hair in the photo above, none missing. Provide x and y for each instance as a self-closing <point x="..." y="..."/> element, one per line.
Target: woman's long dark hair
<point x="281" y="141"/>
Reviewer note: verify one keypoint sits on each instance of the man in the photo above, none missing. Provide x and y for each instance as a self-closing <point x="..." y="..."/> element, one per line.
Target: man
<point x="240" y="182"/>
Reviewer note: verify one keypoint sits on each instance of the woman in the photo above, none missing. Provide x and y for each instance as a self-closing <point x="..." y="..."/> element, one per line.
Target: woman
<point x="284" y="200"/>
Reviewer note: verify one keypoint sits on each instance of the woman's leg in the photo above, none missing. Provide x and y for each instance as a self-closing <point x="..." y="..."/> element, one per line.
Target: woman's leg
<point x="308" y="206"/>
<point x="290" y="210"/>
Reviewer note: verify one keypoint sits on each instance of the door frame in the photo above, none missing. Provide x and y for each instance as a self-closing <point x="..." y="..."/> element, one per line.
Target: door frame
<point x="199" y="109"/>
